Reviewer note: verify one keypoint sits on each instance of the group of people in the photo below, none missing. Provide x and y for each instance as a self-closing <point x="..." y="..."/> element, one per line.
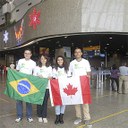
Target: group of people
<point x="78" y="67"/>
<point x="119" y="77"/>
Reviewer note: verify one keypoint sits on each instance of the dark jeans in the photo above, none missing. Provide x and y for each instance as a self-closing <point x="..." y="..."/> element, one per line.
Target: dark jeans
<point x="117" y="83"/>
<point x="42" y="109"/>
<point x="19" y="107"/>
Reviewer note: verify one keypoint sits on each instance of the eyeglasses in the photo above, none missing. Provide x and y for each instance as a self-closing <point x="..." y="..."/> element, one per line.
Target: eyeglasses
<point x="78" y="52"/>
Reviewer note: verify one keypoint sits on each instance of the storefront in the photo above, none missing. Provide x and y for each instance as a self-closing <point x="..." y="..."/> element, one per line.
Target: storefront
<point x="57" y="27"/>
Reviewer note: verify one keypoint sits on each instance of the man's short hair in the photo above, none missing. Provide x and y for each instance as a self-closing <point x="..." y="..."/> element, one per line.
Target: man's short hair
<point x="79" y="49"/>
<point x="28" y="50"/>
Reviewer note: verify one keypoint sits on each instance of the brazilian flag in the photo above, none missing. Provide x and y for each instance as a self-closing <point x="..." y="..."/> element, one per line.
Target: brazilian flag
<point x="28" y="88"/>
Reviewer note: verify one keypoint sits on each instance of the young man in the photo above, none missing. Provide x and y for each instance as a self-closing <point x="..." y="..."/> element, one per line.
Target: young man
<point x="79" y="67"/>
<point x="25" y="65"/>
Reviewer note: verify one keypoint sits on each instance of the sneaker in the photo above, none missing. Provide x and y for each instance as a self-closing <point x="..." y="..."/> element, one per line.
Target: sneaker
<point x="89" y="125"/>
<point x="30" y="120"/>
<point x="87" y="122"/>
<point x="40" y="119"/>
<point x="77" y="121"/>
<point x="18" y="120"/>
<point x="45" y="120"/>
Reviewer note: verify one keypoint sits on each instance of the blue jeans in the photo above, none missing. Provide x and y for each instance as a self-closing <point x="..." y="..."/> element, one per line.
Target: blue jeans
<point x="59" y="109"/>
<point x="19" y="108"/>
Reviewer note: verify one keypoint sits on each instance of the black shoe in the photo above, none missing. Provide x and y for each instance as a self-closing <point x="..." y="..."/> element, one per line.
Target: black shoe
<point x="57" y="121"/>
<point x="61" y="119"/>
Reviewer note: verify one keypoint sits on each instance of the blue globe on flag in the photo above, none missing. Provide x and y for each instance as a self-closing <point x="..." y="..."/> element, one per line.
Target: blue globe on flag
<point x="23" y="87"/>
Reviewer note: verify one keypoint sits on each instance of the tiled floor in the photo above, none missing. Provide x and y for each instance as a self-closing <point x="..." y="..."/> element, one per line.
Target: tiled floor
<point x="108" y="110"/>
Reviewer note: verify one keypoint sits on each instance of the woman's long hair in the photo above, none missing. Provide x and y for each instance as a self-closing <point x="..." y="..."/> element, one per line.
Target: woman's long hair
<point x="47" y="63"/>
<point x="65" y="65"/>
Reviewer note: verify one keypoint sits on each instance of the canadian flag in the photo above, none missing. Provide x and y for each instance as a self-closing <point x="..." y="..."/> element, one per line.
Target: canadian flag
<point x="70" y="91"/>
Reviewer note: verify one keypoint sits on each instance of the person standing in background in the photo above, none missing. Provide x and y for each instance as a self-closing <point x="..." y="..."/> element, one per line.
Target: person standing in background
<point x="123" y="78"/>
<point x="25" y="65"/>
<point x="114" y="77"/>
<point x="80" y="67"/>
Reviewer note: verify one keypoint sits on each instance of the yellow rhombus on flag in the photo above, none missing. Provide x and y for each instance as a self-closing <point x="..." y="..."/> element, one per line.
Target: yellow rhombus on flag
<point x="17" y="83"/>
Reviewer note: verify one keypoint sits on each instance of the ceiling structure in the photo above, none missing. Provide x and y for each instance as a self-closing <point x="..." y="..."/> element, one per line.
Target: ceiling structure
<point x="14" y="2"/>
<point x="2" y="2"/>
<point x="109" y="43"/>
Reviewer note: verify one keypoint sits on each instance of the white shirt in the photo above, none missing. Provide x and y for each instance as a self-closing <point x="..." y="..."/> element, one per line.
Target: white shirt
<point x="60" y="72"/>
<point x="44" y="71"/>
<point x="79" y="68"/>
<point x="26" y="66"/>
<point x="123" y="70"/>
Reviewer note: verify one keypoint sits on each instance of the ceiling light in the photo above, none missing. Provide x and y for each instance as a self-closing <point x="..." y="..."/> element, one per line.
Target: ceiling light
<point x="29" y="4"/>
<point x="110" y="38"/>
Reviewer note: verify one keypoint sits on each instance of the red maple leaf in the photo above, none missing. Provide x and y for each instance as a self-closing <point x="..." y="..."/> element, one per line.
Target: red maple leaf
<point x="70" y="90"/>
<point x="34" y="18"/>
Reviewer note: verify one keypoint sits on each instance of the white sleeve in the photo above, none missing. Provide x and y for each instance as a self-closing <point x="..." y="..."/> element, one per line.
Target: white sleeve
<point x="34" y="66"/>
<point x="54" y="73"/>
<point x="127" y="70"/>
<point x="50" y="71"/>
<point x="88" y="68"/>
<point x="70" y="70"/>
<point x="18" y="66"/>
<point x="36" y="71"/>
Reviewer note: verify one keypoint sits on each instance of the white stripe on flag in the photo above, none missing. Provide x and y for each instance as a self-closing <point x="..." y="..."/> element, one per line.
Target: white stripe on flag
<point x="51" y="98"/>
<point x="70" y="99"/>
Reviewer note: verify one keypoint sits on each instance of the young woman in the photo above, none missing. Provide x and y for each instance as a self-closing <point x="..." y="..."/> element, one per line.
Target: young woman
<point x="60" y="70"/>
<point x="43" y="70"/>
<point x="114" y="77"/>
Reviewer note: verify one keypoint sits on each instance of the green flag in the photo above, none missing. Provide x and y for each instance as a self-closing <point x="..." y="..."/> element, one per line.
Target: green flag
<point x="28" y="88"/>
